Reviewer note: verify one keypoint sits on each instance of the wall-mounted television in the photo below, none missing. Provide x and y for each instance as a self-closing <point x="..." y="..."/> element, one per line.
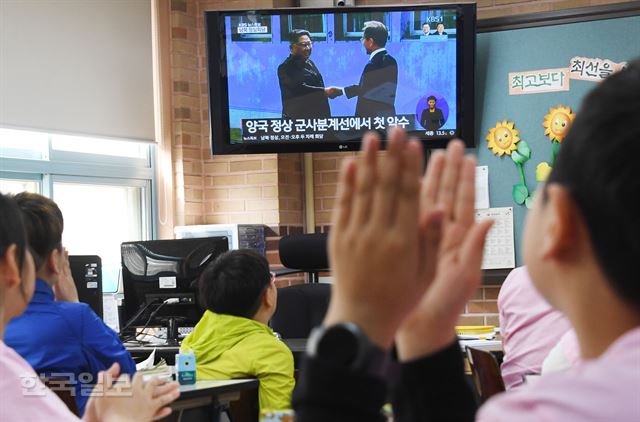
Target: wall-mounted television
<point x="304" y="80"/>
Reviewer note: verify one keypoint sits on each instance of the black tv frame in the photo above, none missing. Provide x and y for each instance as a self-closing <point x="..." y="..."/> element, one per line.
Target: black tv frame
<point x="220" y="133"/>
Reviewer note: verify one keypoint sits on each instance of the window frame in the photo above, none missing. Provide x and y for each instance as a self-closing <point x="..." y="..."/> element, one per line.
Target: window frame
<point x="60" y="166"/>
<point x="31" y="177"/>
<point x="346" y="35"/>
<point x="287" y="27"/>
<point x="146" y="208"/>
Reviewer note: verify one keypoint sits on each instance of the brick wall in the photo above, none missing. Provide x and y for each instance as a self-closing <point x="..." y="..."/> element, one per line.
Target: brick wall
<point x="228" y="189"/>
<point x="269" y="188"/>
<point x="326" y="167"/>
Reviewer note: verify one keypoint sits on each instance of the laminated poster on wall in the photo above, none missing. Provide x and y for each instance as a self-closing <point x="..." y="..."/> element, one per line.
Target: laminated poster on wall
<point x="499" y="247"/>
<point x="558" y="79"/>
<point x="593" y="69"/>
<point x="539" y="81"/>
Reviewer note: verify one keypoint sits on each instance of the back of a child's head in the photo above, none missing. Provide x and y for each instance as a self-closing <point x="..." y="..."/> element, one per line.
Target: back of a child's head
<point x="43" y="222"/>
<point x="234" y="283"/>
<point x="599" y="165"/>
<point x="11" y="228"/>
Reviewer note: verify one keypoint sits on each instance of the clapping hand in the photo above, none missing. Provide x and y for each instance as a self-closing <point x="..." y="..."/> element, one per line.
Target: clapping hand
<point x="376" y="243"/>
<point x="449" y="186"/>
<point x="117" y="398"/>
<point x="405" y="250"/>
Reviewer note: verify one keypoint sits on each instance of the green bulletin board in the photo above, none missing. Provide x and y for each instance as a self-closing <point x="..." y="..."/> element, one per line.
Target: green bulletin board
<point x="603" y="35"/>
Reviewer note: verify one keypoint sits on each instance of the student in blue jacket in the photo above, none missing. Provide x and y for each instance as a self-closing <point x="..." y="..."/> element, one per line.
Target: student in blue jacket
<point x="57" y="334"/>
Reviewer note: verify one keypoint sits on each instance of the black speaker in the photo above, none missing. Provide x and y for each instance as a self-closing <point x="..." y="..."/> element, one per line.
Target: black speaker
<point x="87" y="274"/>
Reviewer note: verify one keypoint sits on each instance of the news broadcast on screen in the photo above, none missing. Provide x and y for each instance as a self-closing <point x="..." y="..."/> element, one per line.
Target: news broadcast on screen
<point x="312" y="76"/>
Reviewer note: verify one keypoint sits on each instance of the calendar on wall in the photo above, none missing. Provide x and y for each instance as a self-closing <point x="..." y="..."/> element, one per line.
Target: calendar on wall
<point x="499" y="249"/>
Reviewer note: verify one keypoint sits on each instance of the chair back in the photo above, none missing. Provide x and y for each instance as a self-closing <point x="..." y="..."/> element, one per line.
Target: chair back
<point x="63" y="389"/>
<point x="306" y="252"/>
<point x="486" y="373"/>
<point x="300" y="308"/>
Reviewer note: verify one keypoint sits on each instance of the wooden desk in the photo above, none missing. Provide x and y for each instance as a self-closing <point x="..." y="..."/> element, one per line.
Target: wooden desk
<point x="298" y="347"/>
<point x="204" y="399"/>
<point x="139" y="352"/>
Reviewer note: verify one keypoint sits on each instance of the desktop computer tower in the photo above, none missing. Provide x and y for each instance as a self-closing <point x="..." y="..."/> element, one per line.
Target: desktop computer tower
<point x="87" y="274"/>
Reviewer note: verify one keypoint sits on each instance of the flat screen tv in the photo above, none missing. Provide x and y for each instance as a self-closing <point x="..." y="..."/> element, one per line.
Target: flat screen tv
<point x="304" y="80"/>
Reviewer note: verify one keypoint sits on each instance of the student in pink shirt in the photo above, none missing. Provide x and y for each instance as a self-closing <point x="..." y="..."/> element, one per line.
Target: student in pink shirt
<point x="581" y="247"/>
<point x="530" y="327"/>
<point x="564" y="355"/>
<point x="23" y="397"/>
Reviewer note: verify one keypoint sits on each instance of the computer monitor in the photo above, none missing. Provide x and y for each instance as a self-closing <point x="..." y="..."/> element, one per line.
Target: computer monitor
<point x="160" y="281"/>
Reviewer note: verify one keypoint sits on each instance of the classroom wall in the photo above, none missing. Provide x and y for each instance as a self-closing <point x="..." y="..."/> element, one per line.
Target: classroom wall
<point x="268" y="189"/>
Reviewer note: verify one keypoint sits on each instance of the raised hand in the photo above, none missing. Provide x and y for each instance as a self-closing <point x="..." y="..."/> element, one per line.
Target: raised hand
<point x="453" y="273"/>
<point x="65" y="289"/>
<point x="376" y="242"/>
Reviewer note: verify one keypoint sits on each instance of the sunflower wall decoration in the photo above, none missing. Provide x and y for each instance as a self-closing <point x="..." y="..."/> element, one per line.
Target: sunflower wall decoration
<point x="556" y="124"/>
<point x="503" y="140"/>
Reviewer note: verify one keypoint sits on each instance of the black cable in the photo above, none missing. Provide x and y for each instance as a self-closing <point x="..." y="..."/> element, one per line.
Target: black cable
<point x="137" y="315"/>
<point x="146" y="324"/>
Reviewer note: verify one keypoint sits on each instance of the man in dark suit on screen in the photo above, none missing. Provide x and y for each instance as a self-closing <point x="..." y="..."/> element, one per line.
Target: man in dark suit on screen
<point x="301" y="85"/>
<point x="376" y="91"/>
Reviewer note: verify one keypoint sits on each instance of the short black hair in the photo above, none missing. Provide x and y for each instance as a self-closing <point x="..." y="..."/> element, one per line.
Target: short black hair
<point x="377" y="32"/>
<point x="431" y="97"/>
<point x="295" y="35"/>
<point x="234" y="283"/>
<point x="12" y="230"/>
<point x="43" y="223"/>
<point x="597" y="164"/>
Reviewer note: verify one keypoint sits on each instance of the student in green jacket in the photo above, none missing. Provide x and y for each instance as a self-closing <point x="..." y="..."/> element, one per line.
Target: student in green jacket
<point x="232" y="340"/>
